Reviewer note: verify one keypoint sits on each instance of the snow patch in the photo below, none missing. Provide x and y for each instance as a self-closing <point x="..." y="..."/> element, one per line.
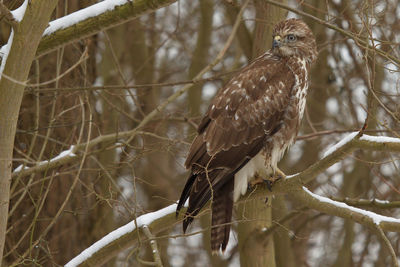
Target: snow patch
<point x="70" y="153"/>
<point x="341" y="143"/>
<point x="19" y="13"/>
<point x="143" y="220"/>
<point x="19" y="168"/>
<point x="83" y="14"/>
<point x="64" y="154"/>
<point x="376" y="218"/>
<point x="380" y="139"/>
<point x="4" y="50"/>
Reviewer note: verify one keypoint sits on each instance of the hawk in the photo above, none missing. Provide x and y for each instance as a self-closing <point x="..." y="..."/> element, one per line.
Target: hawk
<point x="248" y="126"/>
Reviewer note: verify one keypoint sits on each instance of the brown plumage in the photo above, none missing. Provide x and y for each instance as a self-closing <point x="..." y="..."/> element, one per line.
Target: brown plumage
<point x="248" y="126"/>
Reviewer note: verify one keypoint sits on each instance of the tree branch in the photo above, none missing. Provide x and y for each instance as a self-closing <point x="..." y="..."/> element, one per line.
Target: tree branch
<point x="372" y="203"/>
<point x="153" y="245"/>
<point x="125" y="236"/>
<point x="389" y="247"/>
<point x="16" y="64"/>
<point x="93" y="19"/>
<point x="7" y="15"/>
<point x="329" y="206"/>
<point x="342" y="149"/>
<point x="107" y="247"/>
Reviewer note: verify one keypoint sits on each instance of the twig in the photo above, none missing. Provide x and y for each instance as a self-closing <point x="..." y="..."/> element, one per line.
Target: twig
<point x="138" y="86"/>
<point x="75" y="181"/>
<point x="153" y="245"/>
<point x="388" y="246"/>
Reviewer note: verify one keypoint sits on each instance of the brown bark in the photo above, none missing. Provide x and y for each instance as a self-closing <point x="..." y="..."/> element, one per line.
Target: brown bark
<point x="255" y="214"/>
<point x="26" y="34"/>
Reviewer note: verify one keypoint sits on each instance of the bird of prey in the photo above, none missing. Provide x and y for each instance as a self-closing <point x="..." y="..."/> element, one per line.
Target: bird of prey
<point x="248" y="126"/>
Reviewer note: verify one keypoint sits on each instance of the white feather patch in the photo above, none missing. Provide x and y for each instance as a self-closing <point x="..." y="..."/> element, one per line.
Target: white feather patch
<point x="246" y="173"/>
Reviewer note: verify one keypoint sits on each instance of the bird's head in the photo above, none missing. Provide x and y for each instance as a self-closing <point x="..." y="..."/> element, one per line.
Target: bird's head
<point x="292" y="37"/>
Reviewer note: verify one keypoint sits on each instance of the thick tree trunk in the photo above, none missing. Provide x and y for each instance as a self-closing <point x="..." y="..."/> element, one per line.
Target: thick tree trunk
<point x="255" y="215"/>
<point x="27" y="35"/>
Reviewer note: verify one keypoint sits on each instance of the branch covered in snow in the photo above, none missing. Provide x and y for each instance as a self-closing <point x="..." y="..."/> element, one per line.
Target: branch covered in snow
<point x="376" y="222"/>
<point x="124" y="237"/>
<point x="343" y="148"/>
<point x="332" y="207"/>
<point x="13" y="17"/>
<point x="371" y="203"/>
<point x="58" y="160"/>
<point x="93" y="19"/>
<point x="110" y="245"/>
<point x="127" y="235"/>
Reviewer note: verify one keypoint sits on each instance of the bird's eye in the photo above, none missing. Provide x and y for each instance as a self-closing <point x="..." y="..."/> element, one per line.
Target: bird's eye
<point x="291" y="37"/>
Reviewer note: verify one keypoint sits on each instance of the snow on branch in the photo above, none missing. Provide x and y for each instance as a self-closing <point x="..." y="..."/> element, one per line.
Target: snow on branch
<point x="147" y="220"/>
<point x="341" y="143"/>
<point x="93" y="19"/>
<point x="344" y="147"/>
<point x="379" y="139"/>
<point x="109" y="246"/>
<point x="16" y="16"/>
<point x="376" y="222"/>
<point x="57" y="160"/>
<point x="83" y="14"/>
<point x="158" y="221"/>
<point x="343" y="210"/>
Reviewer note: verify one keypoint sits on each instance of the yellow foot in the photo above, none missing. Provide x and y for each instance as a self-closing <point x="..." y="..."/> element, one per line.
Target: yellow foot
<point x="257" y="180"/>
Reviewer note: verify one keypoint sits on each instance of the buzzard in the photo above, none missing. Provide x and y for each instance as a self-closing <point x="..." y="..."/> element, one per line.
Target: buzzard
<point x="248" y="126"/>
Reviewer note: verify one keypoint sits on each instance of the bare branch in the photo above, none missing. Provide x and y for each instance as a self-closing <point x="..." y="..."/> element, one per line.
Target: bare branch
<point x="153" y="244"/>
<point x="388" y="246"/>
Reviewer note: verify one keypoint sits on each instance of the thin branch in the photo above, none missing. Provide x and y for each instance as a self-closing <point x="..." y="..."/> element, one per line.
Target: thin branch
<point x="153" y="245"/>
<point x="388" y="246"/>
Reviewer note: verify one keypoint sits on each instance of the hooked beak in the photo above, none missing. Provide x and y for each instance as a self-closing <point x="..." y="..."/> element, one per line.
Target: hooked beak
<point x="276" y="42"/>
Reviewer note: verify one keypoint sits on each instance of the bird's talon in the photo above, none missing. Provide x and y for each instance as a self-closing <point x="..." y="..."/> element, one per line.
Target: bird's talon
<point x="269" y="184"/>
<point x="249" y="187"/>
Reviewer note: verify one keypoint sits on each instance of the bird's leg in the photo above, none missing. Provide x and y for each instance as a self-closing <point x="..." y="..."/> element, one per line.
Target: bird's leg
<point x="269" y="182"/>
<point x="257" y="180"/>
